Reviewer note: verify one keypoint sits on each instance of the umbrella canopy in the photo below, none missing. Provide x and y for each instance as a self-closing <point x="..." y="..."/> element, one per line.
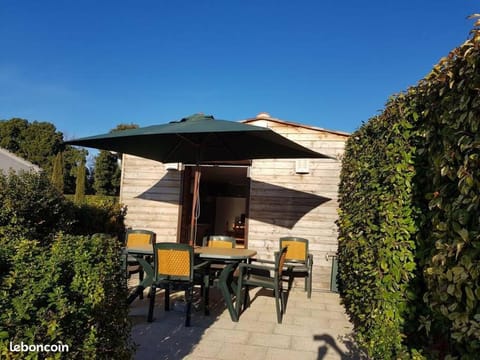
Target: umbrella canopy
<point x="198" y="139"/>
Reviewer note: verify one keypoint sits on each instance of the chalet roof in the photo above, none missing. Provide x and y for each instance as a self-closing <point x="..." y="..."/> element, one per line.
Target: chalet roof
<point x="9" y="161"/>
<point x="266" y="116"/>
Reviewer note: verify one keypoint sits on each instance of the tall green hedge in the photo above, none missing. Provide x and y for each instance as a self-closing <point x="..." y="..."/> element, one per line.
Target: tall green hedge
<point x="73" y="293"/>
<point x="56" y="288"/>
<point x="32" y="207"/>
<point x="99" y="214"/>
<point x="377" y="226"/>
<point x="450" y="181"/>
<point x="409" y="240"/>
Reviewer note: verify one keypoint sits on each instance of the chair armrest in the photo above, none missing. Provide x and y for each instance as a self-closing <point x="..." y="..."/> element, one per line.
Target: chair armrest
<point x="263" y="261"/>
<point x="202" y="265"/>
<point x="255" y="266"/>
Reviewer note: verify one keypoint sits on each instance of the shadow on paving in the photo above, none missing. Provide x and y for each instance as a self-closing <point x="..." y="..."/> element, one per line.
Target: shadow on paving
<point x="167" y="337"/>
<point x="330" y="345"/>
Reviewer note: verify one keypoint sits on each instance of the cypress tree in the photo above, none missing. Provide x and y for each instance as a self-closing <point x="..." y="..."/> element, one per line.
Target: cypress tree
<point x="57" y="174"/>
<point x="80" y="183"/>
<point x="107" y="174"/>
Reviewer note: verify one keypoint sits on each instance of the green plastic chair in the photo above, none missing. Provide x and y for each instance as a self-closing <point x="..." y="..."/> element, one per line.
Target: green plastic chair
<point x="215" y="269"/>
<point x="138" y="238"/>
<point x="254" y="274"/>
<point x="219" y="241"/>
<point x="174" y="270"/>
<point x="299" y="262"/>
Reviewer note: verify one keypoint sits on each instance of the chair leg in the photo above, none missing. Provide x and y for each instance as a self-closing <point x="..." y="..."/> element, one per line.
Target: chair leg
<point x="188" y="300"/>
<point x="167" y="297"/>
<point x="246" y="300"/>
<point x="238" y="304"/>
<point x="140" y="278"/>
<point x="206" y="294"/>
<point x="278" y="305"/>
<point x="309" y="288"/>
<point x="152" y="303"/>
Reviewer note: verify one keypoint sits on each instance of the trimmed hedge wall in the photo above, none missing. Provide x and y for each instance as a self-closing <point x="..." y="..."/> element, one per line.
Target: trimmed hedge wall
<point x="73" y="293"/>
<point x="409" y="224"/>
<point x="377" y="227"/>
<point x="57" y="288"/>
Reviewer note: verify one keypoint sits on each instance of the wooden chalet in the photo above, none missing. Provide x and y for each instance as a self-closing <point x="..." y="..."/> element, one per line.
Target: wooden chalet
<point x="255" y="201"/>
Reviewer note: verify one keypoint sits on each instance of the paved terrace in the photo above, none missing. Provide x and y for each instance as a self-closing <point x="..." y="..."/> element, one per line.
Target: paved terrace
<point x="315" y="328"/>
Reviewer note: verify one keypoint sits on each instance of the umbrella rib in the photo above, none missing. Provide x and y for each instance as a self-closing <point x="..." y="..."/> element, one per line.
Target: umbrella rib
<point x="178" y="145"/>
<point x="184" y="138"/>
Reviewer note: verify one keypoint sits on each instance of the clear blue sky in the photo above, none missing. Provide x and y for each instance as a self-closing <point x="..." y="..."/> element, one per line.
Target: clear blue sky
<point x="87" y="65"/>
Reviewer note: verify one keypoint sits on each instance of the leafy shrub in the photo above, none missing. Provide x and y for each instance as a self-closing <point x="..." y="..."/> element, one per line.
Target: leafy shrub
<point x="32" y="207"/>
<point x="99" y="214"/>
<point x="409" y="230"/>
<point x="75" y="295"/>
<point x="69" y="288"/>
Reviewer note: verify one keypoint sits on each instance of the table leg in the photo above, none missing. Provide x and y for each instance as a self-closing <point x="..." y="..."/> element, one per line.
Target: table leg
<point x="224" y="286"/>
<point x="146" y="282"/>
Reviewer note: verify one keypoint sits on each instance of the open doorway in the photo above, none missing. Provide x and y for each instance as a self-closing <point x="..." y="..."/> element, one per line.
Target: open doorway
<point x="224" y="194"/>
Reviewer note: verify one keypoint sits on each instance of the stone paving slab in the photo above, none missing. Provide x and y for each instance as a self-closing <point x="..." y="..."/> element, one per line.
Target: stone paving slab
<point x="315" y="328"/>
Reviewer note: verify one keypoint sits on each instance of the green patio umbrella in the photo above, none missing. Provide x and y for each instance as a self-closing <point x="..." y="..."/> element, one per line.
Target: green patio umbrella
<point x="199" y="139"/>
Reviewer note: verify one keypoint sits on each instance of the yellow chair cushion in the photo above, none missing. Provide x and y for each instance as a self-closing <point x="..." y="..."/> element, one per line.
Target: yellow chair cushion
<point x="173" y="262"/>
<point x="219" y="244"/>
<point x="135" y="240"/>
<point x="296" y="250"/>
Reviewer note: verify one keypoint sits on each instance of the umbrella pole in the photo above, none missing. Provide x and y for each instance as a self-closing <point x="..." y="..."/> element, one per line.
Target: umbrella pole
<point x="195" y="204"/>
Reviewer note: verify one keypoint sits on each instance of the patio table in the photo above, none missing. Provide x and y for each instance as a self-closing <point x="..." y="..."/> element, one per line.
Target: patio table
<point x="230" y="257"/>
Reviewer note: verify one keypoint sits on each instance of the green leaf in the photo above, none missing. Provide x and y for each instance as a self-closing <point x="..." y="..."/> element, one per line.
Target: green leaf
<point x="464" y="234"/>
<point x="451" y="289"/>
<point x="469" y="293"/>
<point x="459" y="249"/>
<point x="383" y="265"/>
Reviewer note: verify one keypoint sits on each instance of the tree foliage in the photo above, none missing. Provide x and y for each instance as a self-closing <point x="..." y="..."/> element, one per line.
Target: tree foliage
<point x="11" y="134"/>
<point x="80" y="183"/>
<point x="72" y="157"/>
<point x="39" y="143"/>
<point x="57" y="174"/>
<point x="107" y="174"/>
<point x="107" y="171"/>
